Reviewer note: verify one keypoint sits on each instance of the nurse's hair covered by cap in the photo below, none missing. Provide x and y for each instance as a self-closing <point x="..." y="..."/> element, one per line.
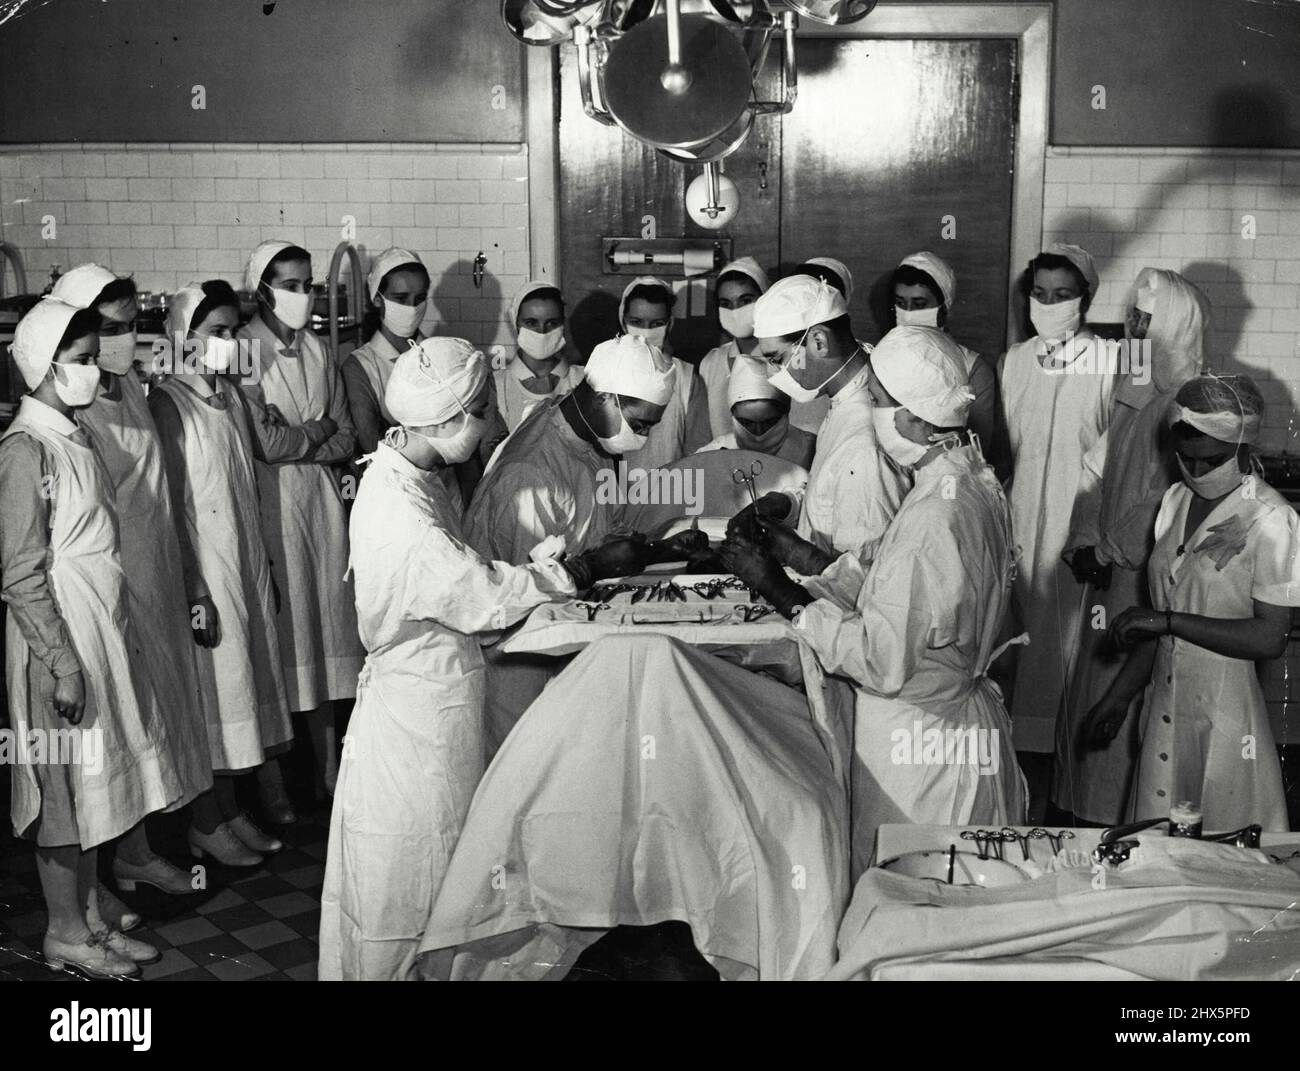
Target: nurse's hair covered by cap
<point x="1180" y="317"/>
<point x="629" y="366"/>
<point x="795" y="304"/>
<point x="181" y="309"/>
<point x="836" y="267"/>
<point x="264" y="255"/>
<point x="1080" y="258"/>
<point x="1227" y="408"/>
<point x="38" y="334"/>
<point x="925" y="371"/>
<point x="435" y="381"/>
<point x="533" y="286"/>
<point x="750" y="269"/>
<point x="387" y="261"/>
<point x="938" y="270"/>
<point x="82" y="285"/>
<point x="649" y="288"/>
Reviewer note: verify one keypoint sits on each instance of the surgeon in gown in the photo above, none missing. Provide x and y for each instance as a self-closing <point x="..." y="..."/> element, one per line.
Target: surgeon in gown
<point x="646" y="312"/>
<point x="303" y="515"/>
<point x="854" y="489"/>
<point x="760" y="417"/>
<point x="1056" y="393"/>
<point x="1224" y="579"/>
<point x="557" y="476"/>
<point x="414" y="752"/>
<point x="127" y="441"/>
<point x="1112" y="534"/>
<point x="916" y="632"/>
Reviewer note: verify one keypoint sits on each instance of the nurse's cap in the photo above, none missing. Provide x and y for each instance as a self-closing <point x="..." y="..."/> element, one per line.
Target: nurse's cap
<point x="631" y="367"/>
<point x="80" y="286"/>
<point x="525" y="292"/>
<point x="260" y="258"/>
<point x="925" y="371"/>
<point x="751" y="269"/>
<point x="645" y="280"/>
<point x="386" y="262"/>
<point x="435" y="381"/>
<point x="181" y="309"/>
<point x="36" y="338"/>
<point x="937" y="269"/>
<point x="748" y="382"/>
<point x="795" y="304"/>
<point x="1081" y="259"/>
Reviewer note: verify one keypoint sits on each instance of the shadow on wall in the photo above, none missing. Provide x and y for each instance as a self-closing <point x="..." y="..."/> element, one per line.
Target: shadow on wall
<point x="593" y="320"/>
<point x="464" y="310"/>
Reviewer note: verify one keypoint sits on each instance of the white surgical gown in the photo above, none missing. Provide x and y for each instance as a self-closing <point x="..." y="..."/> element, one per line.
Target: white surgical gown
<point x="853" y="490"/>
<point x="1057" y="410"/>
<point x="414" y="752"/>
<point x="932" y="741"/>
<point x="1204" y="727"/>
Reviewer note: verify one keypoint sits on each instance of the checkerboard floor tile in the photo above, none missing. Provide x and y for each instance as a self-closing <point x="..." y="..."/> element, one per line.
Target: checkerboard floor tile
<point x="254" y="924"/>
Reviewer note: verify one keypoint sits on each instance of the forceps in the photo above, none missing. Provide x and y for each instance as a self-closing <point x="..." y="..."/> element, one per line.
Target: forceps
<point x="740" y="476"/>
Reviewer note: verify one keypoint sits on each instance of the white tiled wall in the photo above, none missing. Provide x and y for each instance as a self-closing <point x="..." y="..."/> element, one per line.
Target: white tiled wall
<point x="1187" y="211"/>
<point x="172" y="214"/>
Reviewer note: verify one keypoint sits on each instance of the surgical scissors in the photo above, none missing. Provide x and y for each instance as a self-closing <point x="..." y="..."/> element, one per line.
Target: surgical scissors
<point x="740" y="476"/>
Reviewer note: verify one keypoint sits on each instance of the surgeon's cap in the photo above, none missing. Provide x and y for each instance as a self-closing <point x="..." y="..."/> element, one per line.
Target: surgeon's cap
<point x="750" y="268"/>
<point x="383" y="264"/>
<point x="260" y="259"/>
<point x="435" y="381"/>
<point x="525" y="292"/>
<point x="1180" y="317"/>
<point x="630" y="366"/>
<point x="925" y="370"/>
<point x="795" y="304"/>
<point x="841" y="271"/>
<point x="36" y="338"/>
<point x="1227" y="408"/>
<point x="80" y="286"/>
<point x="937" y="269"/>
<point x="645" y="280"/>
<point x="1081" y="259"/>
<point x="181" y="309"/>
<point x="749" y="382"/>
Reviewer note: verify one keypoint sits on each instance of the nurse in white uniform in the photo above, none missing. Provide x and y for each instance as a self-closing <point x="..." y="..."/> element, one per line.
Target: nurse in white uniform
<point x="540" y="368"/>
<point x="1056" y="390"/>
<point x="1224" y="575"/>
<point x="1112" y="535"/>
<point x="916" y="632"/>
<point x="127" y="441"/>
<point x="740" y="284"/>
<point x="646" y="312"/>
<point x="303" y="516"/>
<point x="853" y="490"/>
<point x="415" y="748"/>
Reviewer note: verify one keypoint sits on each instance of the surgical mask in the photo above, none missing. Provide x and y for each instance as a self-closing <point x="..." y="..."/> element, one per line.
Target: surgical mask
<point x="892" y="441"/>
<point x="292" y="309"/>
<point x="402" y="320"/>
<point x="1054" y="322"/>
<point x="1217" y="482"/>
<point x="82" y="381"/>
<point x="623" y="441"/>
<point x="654" y="336"/>
<point x="218" y="353"/>
<point x="461" y="446"/>
<point x="117" y="353"/>
<point x="541" y="345"/>
<point x="785" y="382"/>
<point x="768" y="442"/>
<point x="738" y="323"/>
<point x="917" y="317"/>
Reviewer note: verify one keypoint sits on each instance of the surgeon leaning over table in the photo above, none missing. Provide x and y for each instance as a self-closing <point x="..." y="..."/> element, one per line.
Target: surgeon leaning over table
<point x="414" y="752"/>
<point x="917" y="632"/>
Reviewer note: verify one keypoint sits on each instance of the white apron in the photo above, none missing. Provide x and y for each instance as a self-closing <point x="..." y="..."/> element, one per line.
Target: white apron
<point x="1204" y="727"/>
<point x="245" y="706"/>
<point x="1053" y="419"/>
<point x="304" y="522"/>
<point x="127" y="441"/>
<point x="137" y="775"/>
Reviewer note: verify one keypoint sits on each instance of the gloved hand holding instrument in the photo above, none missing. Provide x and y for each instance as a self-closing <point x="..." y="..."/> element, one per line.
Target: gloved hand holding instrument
<point x="750" y="521"/>
<point x="622" y="556"/>
<point x="763" y="574"/>
<point x="805" y="558"/>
